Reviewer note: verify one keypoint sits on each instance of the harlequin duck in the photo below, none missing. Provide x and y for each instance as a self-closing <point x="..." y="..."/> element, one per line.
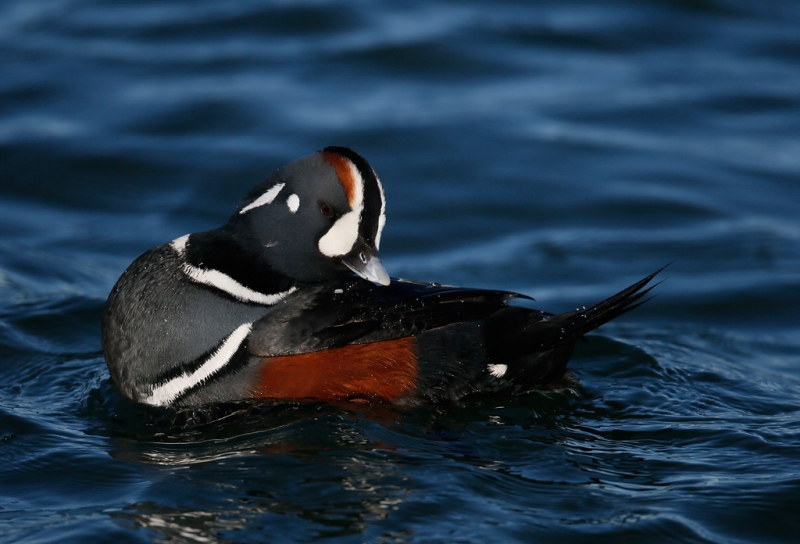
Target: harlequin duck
<point x="289" y="300"/>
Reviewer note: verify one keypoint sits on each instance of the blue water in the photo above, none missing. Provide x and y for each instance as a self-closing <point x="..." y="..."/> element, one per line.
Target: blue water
<point x="561" y="149"/>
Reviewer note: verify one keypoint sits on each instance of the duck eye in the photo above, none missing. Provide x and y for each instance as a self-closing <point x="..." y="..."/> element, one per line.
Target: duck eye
<point x="326" y="209"/>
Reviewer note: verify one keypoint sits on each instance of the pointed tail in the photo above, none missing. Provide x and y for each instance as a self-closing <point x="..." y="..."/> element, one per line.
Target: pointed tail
<point x="580" y="322"/>
<point x="535" y="347"/>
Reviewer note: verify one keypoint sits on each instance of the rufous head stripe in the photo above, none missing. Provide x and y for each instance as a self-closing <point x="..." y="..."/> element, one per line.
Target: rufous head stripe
<point x="368" y="196"/>
<point x="346" y="172"/>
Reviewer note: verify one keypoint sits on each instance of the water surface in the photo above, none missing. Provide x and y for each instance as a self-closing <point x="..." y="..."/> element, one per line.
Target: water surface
<point x="560" y="149"/>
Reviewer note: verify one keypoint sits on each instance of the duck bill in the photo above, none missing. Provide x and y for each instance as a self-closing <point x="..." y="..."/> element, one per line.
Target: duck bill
<point x="364" y="261"/>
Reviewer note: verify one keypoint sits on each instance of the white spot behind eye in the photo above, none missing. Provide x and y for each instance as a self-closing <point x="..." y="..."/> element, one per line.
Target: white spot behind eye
<point x="293" y="202"/>
<point x="264" y="199"/>
<point x="498" y="371"/>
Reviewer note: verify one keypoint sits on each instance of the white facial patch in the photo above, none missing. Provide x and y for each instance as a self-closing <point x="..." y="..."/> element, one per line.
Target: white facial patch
<point x="293" y="202"/>
<point x="342" y="236"/>
<point x="169" y="391"/>
<point x="498" y="371"/>
<point x="264" y="199"/>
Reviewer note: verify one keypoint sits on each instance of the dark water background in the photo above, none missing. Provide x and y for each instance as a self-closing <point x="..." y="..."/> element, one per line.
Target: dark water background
<point x="562" y="149"/>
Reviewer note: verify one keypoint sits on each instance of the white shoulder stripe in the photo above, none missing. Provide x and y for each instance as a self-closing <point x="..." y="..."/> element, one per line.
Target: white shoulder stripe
<point x="264" y="199"/>
<point x="223" y="282"/>
<point x="169" y="391"/>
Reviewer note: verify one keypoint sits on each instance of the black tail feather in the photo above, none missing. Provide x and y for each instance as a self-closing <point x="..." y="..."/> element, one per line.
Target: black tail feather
<point x="537" y="352"/>
<point x="544" y="333"/>
<point x="516" y="333"/>
<point x="574" y="325"/>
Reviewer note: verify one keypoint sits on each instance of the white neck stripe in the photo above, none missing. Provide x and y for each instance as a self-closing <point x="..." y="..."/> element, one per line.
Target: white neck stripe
<point x="169" y="391"/>
<point x="223" y="282"/>
<point x="179" y="244"/>
<point x="264" y="199"/>
<point x="382" y="218"/>
<point x="381" y="224"/>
